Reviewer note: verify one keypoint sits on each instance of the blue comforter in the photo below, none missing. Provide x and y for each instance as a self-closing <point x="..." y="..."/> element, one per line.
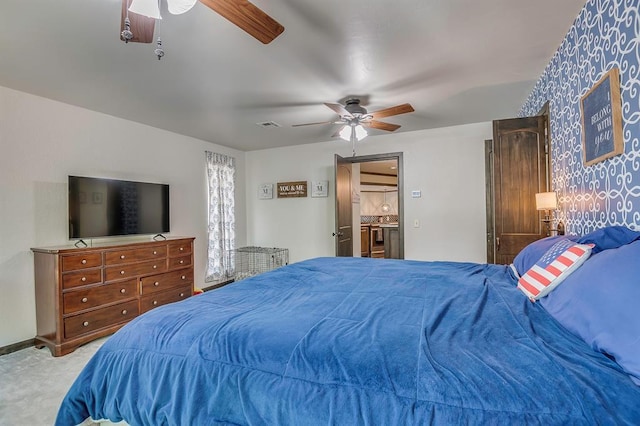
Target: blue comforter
<point x="346" y="341"/>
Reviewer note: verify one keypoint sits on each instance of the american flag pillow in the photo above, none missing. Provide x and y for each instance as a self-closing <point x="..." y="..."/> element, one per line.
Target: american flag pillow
<point x="555" y="265"/>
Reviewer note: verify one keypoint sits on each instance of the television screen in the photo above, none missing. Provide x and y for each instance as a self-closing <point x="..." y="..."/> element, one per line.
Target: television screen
<point x="107" y="207"/>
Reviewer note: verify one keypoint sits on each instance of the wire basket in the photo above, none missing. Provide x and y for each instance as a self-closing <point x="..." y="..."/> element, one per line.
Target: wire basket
<point x="249" y="261"/>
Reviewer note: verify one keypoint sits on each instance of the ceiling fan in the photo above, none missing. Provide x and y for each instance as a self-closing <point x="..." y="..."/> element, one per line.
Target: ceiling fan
<point x="139" y="16"/>
<point x="354" y="118"/>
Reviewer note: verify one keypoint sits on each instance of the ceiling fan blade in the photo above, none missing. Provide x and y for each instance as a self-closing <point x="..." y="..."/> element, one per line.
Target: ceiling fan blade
<point x="337" y="133"/>
<point x="381" y="125"/>
<point x="248" y="17"/>
<point x="312" y="124"/>
<point x="387" y="112"/>
<point x="141" y="26"/>
<point x="340" y="110"/>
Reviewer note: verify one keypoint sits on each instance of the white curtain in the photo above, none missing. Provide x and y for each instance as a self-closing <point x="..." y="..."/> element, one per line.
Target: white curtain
<point x="221" y="173"/>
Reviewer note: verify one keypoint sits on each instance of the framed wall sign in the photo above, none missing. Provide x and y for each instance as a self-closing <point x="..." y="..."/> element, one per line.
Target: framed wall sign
<point x="292" y="189"/>
<point x="320" y="188"/>
<point x="265" y="191"/>
<point x="602" y="120"/>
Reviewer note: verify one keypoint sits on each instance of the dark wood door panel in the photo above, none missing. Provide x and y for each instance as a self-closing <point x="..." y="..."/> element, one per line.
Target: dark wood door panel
<point x="519" y="171"/>
<point x="344" y="222"/>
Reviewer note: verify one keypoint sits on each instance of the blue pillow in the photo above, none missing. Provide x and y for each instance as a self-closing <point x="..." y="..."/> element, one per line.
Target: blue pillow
<point x="609" y="237"/>
<point x="599" y="303"/>
<point x="529" y="255"/>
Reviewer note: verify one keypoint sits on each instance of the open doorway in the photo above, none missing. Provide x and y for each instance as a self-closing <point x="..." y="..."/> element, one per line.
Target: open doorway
<point x="369" y="199"/>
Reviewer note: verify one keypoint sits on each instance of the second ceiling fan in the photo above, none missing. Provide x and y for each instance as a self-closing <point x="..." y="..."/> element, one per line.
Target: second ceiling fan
<point x="142" y="15"/>
<point x="355" y="117"/>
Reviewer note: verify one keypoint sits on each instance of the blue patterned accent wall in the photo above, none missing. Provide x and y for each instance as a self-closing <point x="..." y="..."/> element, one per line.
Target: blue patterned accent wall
<point x="606" y="34"/>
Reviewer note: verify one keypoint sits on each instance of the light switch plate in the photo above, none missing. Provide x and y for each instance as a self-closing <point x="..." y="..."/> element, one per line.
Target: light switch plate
<point x="416" y="194"/>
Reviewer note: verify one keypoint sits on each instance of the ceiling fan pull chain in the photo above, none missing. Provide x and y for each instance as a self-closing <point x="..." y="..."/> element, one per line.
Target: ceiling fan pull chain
<point x="159" y="51"/>
<point x="126" y="33"/>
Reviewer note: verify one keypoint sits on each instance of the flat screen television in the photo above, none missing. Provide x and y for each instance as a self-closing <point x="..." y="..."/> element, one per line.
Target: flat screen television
<point x="108" y="207"/>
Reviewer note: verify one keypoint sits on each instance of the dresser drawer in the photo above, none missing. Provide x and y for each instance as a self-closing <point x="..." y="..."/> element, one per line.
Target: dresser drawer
<point x="130" y="270"/>
<point x="162" y="298"/>
<point x="81" y="261"/>
<point x="179" y="248"/>
<point x="78" y="300"/>
<point x="100" y="318"/>
<point x="179" y="262"/>
<point x="135" y="255"/>
<point x="163" y="282"/>
<point x="80" y="278"/>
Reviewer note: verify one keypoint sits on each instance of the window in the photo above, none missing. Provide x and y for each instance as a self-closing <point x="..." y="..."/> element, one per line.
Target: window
<point x="221" y="175"/>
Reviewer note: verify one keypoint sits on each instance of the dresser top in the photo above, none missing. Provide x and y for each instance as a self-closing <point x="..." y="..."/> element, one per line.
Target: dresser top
<point x="129" y="243"/>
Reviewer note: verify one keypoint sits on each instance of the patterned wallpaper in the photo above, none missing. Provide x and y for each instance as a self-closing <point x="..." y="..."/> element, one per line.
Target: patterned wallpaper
<point x="605" y="34"/>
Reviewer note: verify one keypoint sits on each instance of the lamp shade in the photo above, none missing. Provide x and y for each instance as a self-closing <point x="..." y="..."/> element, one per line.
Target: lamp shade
<point x="546" y="201"/>
<point x="361" y="132"/>
<point x="345" y="133"/>
<point x="149" y="8"/>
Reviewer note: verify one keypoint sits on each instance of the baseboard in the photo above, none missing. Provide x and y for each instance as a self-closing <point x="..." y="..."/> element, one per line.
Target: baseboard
<point x="217" y="285"/>
<point x="16" y="346"/>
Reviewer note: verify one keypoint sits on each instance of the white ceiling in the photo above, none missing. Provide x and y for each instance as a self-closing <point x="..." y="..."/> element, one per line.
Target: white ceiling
<point x="455" y="61"/>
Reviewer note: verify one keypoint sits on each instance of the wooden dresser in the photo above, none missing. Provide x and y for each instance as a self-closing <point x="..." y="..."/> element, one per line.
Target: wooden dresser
<point x="86" y="293"/>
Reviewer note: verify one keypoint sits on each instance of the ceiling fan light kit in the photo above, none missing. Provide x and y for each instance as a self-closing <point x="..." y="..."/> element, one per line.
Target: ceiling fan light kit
<point x="350" y="131"/>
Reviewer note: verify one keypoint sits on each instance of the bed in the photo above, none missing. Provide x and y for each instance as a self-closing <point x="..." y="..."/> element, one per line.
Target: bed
<point x="346" y="341"/>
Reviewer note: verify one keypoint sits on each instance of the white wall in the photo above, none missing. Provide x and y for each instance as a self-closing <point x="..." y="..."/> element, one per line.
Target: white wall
<point x="41" y="143"/>
<point x="446" y="164"/>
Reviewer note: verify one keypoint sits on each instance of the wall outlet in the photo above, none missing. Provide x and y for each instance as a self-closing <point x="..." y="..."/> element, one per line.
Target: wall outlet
<point x="416" y="223"/>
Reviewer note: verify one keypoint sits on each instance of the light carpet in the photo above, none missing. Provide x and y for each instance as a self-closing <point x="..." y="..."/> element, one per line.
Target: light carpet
<point x="33" y="383"/>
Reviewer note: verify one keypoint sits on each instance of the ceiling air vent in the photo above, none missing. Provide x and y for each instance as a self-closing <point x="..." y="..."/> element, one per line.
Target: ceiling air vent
<point x="268" y="124"/>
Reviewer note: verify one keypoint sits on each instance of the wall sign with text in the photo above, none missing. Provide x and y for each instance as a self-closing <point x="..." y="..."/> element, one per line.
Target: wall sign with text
<point x="602" y="120"/>
<point x="292" y="189"/>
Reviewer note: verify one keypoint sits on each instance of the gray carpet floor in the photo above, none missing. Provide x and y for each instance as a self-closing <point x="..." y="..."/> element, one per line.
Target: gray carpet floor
<point x="33" y="383"/>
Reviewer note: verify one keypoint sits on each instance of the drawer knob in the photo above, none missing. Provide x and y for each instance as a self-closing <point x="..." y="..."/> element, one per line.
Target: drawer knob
<point x="123" y="291"/>
<point x="181" y="248"/>
<point x="83" y="279"/>
<point x="84" y="261"/>
<point x="181" y="262"/>
<point x="181" y="294"/>
<point x="124" y="312"/>
<point x="183" y="277"/>
<point x="85" y="324"/>
<point x="155" y="252"/>
<point x="156" y="284"/>
<point x="85" y="300"/>
<point x="155" y="266"/>
<point x="121" y="272"/>
<point x="122" y="256"/>
<point x="155" y="302"/>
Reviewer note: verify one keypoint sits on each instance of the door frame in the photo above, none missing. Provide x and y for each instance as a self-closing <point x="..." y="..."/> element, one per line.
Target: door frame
<point x="381" y="157"/>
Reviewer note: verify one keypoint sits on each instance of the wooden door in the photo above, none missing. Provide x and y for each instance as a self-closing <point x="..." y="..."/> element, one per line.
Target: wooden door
<point x="343" y="231"/>
<point x="516" y="171"/>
